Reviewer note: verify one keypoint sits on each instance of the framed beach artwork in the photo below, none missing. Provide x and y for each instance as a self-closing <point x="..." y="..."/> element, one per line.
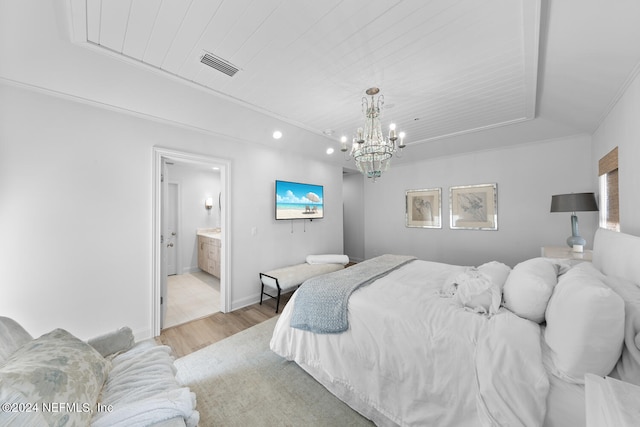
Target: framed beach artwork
<point x="474" y="207"/>
<point x="423" y="208"/>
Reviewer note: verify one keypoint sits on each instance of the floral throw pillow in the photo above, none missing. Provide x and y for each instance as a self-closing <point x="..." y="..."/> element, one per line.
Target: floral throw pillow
<point x="56" y="378"/>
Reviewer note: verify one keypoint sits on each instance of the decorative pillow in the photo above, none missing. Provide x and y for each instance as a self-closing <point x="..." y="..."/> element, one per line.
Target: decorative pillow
<point x="113" y="342"/>
<point x="529" y="287"/>
<point x="57" y="370"/>
<point x="628" y="367"/>
<point x="474" y="290"/>
<point x="585" y="324"/>
<point x="496" y="271"/>
<point x="12" y="336"/>
<point x="328" y="259"/>
<point x="479" y="289"/>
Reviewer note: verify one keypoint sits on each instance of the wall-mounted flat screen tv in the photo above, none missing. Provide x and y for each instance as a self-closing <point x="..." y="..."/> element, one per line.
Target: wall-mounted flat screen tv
<point x="295" y="200"/>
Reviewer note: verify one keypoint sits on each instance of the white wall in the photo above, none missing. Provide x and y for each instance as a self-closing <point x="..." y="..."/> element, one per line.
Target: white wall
<point x="353" y="194"/>
<point x="527" y="177"/>
<point x="76" y="212"/>
<point x="196" y="184"/>
<point x="621" y="128"/>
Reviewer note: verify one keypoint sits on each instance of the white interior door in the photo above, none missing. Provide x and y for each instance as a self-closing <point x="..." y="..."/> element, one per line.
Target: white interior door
<point x="172" y="230"/>
<point x="164" y="202"/>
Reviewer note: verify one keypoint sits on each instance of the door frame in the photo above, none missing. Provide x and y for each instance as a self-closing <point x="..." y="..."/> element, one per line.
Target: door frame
<point x="224" y="165"/>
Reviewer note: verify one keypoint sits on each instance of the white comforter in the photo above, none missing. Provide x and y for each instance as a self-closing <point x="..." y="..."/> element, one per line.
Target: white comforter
<point x="413" y="358"/>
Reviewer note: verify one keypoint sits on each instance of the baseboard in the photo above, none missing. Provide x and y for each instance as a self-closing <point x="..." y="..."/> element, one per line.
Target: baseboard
<point x="142" y="334"/>
<point x="245" y="302"/>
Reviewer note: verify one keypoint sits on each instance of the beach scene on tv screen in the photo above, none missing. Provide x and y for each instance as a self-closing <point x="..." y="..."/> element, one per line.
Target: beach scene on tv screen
<point x="295" y="200"/>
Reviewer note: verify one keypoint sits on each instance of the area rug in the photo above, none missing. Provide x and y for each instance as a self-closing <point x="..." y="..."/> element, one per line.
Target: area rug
<point x="239" y="381"/>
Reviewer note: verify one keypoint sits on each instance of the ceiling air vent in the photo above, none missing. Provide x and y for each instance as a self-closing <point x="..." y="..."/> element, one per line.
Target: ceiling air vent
<point x="219" y="64"/>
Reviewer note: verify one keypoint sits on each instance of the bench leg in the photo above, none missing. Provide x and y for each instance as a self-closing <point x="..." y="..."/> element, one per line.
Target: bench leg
<point x="262" y="292"/>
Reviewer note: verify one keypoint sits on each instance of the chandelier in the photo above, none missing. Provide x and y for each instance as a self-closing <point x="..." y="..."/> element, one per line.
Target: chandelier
<point x="370" y="149"/>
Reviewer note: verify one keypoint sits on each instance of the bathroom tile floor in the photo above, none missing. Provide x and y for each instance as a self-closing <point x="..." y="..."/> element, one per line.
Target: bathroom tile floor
<point x="191" y="296"/>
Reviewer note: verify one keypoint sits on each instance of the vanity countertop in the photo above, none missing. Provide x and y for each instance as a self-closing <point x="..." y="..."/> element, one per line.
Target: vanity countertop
<point x="214" y="233"/>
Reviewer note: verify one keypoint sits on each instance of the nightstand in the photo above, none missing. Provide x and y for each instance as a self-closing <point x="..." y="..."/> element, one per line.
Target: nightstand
<point x="565" y="252"/>
<point x="611" y="403"/>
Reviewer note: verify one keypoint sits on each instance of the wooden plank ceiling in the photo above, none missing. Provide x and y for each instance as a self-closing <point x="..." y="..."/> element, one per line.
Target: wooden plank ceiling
<point x="444" y="67"/>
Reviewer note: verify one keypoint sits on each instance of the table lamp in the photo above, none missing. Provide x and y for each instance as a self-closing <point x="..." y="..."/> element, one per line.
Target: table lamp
<point x="574" y="202"/>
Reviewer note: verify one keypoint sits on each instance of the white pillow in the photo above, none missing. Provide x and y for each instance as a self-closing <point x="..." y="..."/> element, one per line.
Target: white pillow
<point x="529" y="287"/>
<point x="496" y="271"/>
<point x="585" y="324"/>
<point x="480" y="289"/>
<point x="628" y="367"/>
<point x="474" y="290"/>
<point x="328" y="259"/>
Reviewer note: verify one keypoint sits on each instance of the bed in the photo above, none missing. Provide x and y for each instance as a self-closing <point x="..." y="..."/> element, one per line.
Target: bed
<point x="415" y="354"/>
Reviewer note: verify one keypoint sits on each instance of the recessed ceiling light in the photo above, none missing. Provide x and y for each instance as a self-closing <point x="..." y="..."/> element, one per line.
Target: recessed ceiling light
<point x="330" y="150"/>
<point x="277" y="134"/>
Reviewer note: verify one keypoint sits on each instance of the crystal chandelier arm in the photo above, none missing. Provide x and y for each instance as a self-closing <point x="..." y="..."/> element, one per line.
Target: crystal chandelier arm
<point x="360" y="137"/>
<point x="365" y="105"/>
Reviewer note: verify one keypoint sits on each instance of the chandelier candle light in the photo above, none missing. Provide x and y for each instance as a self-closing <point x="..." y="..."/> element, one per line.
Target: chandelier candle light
<point x="370" y="149"/>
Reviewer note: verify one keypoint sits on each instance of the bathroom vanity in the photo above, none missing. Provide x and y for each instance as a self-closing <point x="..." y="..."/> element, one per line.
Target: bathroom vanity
<point x="209" y="250"/>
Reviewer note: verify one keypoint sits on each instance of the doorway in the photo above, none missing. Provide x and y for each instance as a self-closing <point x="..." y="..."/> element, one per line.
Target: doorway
<point x="163" y="213"/>
<point x="191" y="293"/>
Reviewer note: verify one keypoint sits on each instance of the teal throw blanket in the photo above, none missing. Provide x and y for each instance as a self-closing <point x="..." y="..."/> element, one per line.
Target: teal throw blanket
<point x="321" y="303"/>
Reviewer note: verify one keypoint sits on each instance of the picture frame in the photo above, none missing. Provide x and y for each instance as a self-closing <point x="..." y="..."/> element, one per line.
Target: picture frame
<point x="473" y="207"/>
<point x="423" y="208"/>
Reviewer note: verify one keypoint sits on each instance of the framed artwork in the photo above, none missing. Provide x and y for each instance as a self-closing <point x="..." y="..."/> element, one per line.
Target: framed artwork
<point x="423" y="208"/>
<point x="474" y="207"/>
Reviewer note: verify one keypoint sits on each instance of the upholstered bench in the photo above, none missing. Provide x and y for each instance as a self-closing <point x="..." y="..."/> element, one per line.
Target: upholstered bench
<point x="285" y="279"/>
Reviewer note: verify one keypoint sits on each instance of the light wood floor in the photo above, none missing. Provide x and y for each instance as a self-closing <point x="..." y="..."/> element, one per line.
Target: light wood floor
<point x="197" y="334"/>
<point x="193" y="336"/>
